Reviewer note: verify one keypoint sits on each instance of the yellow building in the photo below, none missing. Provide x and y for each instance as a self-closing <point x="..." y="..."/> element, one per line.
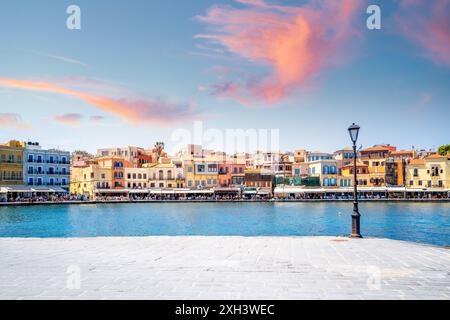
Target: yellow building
<point x="167" y="173"/>
<point x="87" y="179"/>
<point x="375" y="158"/>
<point x="201" y="173"/>
<point x="347" y="176"/>
<point x="11" y="163"/>
<point x="429" y="173"/>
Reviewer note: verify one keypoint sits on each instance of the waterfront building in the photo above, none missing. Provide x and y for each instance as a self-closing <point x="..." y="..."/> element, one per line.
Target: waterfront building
<point x="136" y="178"/>
<point x="300" y="169"/>
<point x="80" y="158"/>
<point x="429" y="173"/>
<point x="283" y="172"/>
<point x="375" y="158"/>
<point x="89" y="178"/>
<point x="343" y="158"/>
<point x="166" y="174"/>
<point x="135" y="155"/>
<point x="347" y="176"/>
<point x="201" y="173"/>
<point x="300" y="155"/>
<point x="396" y="167"/>
<point x="46" y="167"/>
<point x="117" y="166"/>
<point x="11" y="163"/>
<point x="326" y="170"/>
<point x="267" y="161"/>
<point x="231" y="174"/>
<point x="317" y="156"/>
<point x="258" y="182"/>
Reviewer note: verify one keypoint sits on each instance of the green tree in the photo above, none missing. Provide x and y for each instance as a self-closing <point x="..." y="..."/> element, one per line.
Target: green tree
<point x="444" y="150"/>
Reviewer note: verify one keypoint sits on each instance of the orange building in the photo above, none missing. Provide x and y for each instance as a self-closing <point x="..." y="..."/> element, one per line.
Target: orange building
<point x="117" y="165"/>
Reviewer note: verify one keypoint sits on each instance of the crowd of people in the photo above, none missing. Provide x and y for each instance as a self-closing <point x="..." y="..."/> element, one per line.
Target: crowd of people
<point x="221" y="197"/>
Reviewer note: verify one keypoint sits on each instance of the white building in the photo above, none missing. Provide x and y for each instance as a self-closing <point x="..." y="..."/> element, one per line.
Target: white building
<point x="46" y="167"/>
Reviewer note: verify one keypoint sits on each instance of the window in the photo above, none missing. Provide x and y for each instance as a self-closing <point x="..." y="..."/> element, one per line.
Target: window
<point x="129" y="176"/>
<point x="411" y="182"/>
<point x="140" y="176"/>
<point x="134" y="176"/>
<point x="200" y="168"/>
<point x="416" y="172"/>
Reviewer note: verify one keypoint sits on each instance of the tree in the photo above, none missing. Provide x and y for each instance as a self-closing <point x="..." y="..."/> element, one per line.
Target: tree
<point x="444" y="150"/>
<point x="159" y="147"/>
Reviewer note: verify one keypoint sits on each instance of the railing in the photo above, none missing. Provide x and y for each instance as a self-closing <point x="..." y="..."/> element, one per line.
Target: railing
<point x="11" y="162"/>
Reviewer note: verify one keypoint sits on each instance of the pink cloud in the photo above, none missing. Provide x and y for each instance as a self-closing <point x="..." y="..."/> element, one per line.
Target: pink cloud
<point x="155" y="111"/>
<point x="72" y="119"/>
<point x="13" y="120"/>
<point x="296" y="43"/>
<point x="427" y="24"/>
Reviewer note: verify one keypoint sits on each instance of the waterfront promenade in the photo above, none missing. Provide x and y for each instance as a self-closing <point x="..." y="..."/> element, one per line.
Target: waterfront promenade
<point x="222" y="268"/>
<point x="395" y="200"/>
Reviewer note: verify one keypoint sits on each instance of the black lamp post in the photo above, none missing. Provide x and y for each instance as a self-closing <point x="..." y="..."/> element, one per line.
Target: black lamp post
<point x="356" y="216"/>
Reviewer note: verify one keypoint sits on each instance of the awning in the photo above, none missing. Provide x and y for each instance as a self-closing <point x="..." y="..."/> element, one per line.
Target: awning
<point x="111" y="191"/>
<point x="227" y="189"/>
<point x="138" y="191"/>
<point x="34" y="189"/>
<point x="161" y="191"/>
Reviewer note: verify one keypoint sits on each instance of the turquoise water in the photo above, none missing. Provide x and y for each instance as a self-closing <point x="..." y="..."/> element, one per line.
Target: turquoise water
<point x="419" y="222"/>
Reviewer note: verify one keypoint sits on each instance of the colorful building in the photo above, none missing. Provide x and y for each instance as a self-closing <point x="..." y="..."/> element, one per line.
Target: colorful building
<point x="46" y="167"/>
<point x="89" y="178"/>
<point x="326" y="170"/>
<point x="11" y="163"/>
<point x="201" y="173"/>
<point x="231" y="174"/>
<point x="430" y="172"/>
<point x="347" y="176"/>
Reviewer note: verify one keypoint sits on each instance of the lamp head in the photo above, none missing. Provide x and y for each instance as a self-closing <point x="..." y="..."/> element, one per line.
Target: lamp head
<point x="354" y="132"/>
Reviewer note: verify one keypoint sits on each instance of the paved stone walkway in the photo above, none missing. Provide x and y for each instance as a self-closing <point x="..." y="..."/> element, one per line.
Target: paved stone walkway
<point x="222" y="268"/>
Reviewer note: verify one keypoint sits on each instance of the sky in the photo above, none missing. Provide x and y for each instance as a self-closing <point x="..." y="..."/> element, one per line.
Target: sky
<point x="143" y="71"/>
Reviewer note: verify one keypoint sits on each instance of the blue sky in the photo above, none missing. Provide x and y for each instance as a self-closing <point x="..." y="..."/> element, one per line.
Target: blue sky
<point x="148" y="51"/>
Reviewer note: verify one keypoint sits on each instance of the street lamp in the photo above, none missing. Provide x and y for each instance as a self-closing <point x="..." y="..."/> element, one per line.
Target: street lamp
<point x="356" y="216"/>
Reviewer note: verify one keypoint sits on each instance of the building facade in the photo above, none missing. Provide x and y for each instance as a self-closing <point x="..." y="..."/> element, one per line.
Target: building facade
<point x="46" y="167"/>
<point x="11" y="163"/>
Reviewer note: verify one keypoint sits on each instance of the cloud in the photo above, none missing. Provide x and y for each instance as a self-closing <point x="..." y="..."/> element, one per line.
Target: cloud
<point x="427" y="24"/>
<point x="73" y="119"/>
<point x="296" y="43"/>
<point x="13" y="120"/>
<point x="62" y="58"/>
<point x="96" y="118"/>
<point x="138" y="111"/>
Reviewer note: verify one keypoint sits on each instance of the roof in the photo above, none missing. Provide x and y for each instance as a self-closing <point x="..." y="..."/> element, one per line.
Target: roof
<point x="437" y="156"/>
<point x="358" y="164"/>
<point x="379" y="148"/>
<point x="402" y="152"/>
<point x="417" y="162"/>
